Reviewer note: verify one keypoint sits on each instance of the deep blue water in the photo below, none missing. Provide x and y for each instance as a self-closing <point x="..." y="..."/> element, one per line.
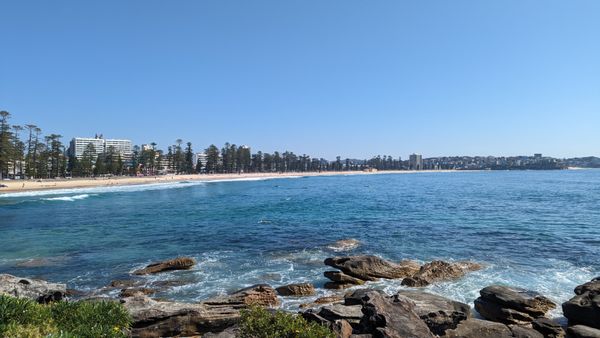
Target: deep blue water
<point x="535" y="229"/>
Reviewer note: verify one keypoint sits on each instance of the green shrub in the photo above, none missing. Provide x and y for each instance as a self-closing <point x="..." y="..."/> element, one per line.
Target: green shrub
<point x="258" y="322"/>
<point x="20" y="317"/>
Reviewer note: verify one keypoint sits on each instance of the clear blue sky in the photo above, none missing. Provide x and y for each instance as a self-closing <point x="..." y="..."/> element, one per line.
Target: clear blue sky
<point x="354" y="78"/>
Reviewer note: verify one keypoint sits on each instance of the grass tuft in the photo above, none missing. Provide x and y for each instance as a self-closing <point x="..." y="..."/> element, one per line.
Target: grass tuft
<point x="257" y="322"/>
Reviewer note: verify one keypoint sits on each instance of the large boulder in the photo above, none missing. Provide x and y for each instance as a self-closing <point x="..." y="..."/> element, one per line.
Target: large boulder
<point x="439" y="313"/>
<point x="370" y="268"/>
<point x="437" y="271"/>
<point x="179" y="263"/>
<point x="584" y="308"/>
<point x="392" y="317"/>
<point x="38" y="290"/>
<point x="301" y="289"/>
<point x="153" y="318"/>
<point x="511" y="305"/>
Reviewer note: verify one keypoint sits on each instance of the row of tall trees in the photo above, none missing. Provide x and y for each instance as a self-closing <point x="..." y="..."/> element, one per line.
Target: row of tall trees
<point x="25" y="152"/>
<point x="29" y="154"/>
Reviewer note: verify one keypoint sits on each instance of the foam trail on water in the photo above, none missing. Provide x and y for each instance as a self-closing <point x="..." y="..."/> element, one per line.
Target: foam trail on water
<point x="68" y="198"/>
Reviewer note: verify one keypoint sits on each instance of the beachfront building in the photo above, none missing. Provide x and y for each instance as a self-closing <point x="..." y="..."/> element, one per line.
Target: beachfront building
<point x="200" y="157"/>
<point x="101" y="146"/>
<point x="415" y="162"/>
<point x="122" y="147"/>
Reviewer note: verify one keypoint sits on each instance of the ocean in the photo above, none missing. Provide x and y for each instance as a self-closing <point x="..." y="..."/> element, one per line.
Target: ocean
<point x="534" y="229"/>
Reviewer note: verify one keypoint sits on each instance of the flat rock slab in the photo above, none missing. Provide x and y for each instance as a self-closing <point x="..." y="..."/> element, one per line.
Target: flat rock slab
<point x="153" y="318"/>
<point x="167" y="319"/>
<point x="180" y="263"/>
<point x="334" y="312"/>
<point x="38" y="290"/>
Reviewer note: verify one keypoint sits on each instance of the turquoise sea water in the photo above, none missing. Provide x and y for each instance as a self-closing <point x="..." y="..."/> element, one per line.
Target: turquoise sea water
<point x="535" y="229"/>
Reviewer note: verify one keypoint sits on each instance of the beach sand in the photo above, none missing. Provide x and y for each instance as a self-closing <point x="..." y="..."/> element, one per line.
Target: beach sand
<point x="47" y="184"/>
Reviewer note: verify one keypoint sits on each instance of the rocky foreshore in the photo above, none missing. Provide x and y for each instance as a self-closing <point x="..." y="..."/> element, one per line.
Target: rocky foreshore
<point x="362" y="312"/>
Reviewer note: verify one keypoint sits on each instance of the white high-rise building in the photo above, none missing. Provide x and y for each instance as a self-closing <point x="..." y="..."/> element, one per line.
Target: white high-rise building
<point x="101" y="146"/>
<point x="79" y="144"/>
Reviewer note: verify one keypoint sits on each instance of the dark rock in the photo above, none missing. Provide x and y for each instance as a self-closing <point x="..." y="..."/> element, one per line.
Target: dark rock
<point x="341" y="277"/>
<point x="581" y="331"/>
<point x="438" y="271"/>
<point x="548" y="328"/>
<point x="439" y="313"/>
<point x="592" y="286"/>
<point x="303" y="289"/>
<point x="124" y="283"/>
<point x="260" y="294"/>
<point x="38" y="290"/>
<point x="584" y="308"/>
<point x="524" y="332"/>
<point x="180" y="263"/>
<point x="511" y="305"/>
<point x="130" y="292"/>
<point x="370" y="268"/>
<point x="477" y="328"/>
<point x="356" y="297"/>
<point x="391" y="317"/>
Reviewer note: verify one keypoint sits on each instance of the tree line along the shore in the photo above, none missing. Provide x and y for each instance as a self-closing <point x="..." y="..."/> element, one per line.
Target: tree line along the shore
<point x="26" y="152"/>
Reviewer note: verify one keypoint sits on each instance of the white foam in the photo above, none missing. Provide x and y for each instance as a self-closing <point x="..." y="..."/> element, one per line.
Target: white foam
<point x="68" y="198"/>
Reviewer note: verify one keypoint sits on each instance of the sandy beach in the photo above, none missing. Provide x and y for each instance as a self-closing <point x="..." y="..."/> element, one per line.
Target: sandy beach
<point x="48" y="184"/>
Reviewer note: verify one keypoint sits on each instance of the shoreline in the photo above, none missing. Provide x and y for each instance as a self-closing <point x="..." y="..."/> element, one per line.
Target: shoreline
<point x="15" y="186"/>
